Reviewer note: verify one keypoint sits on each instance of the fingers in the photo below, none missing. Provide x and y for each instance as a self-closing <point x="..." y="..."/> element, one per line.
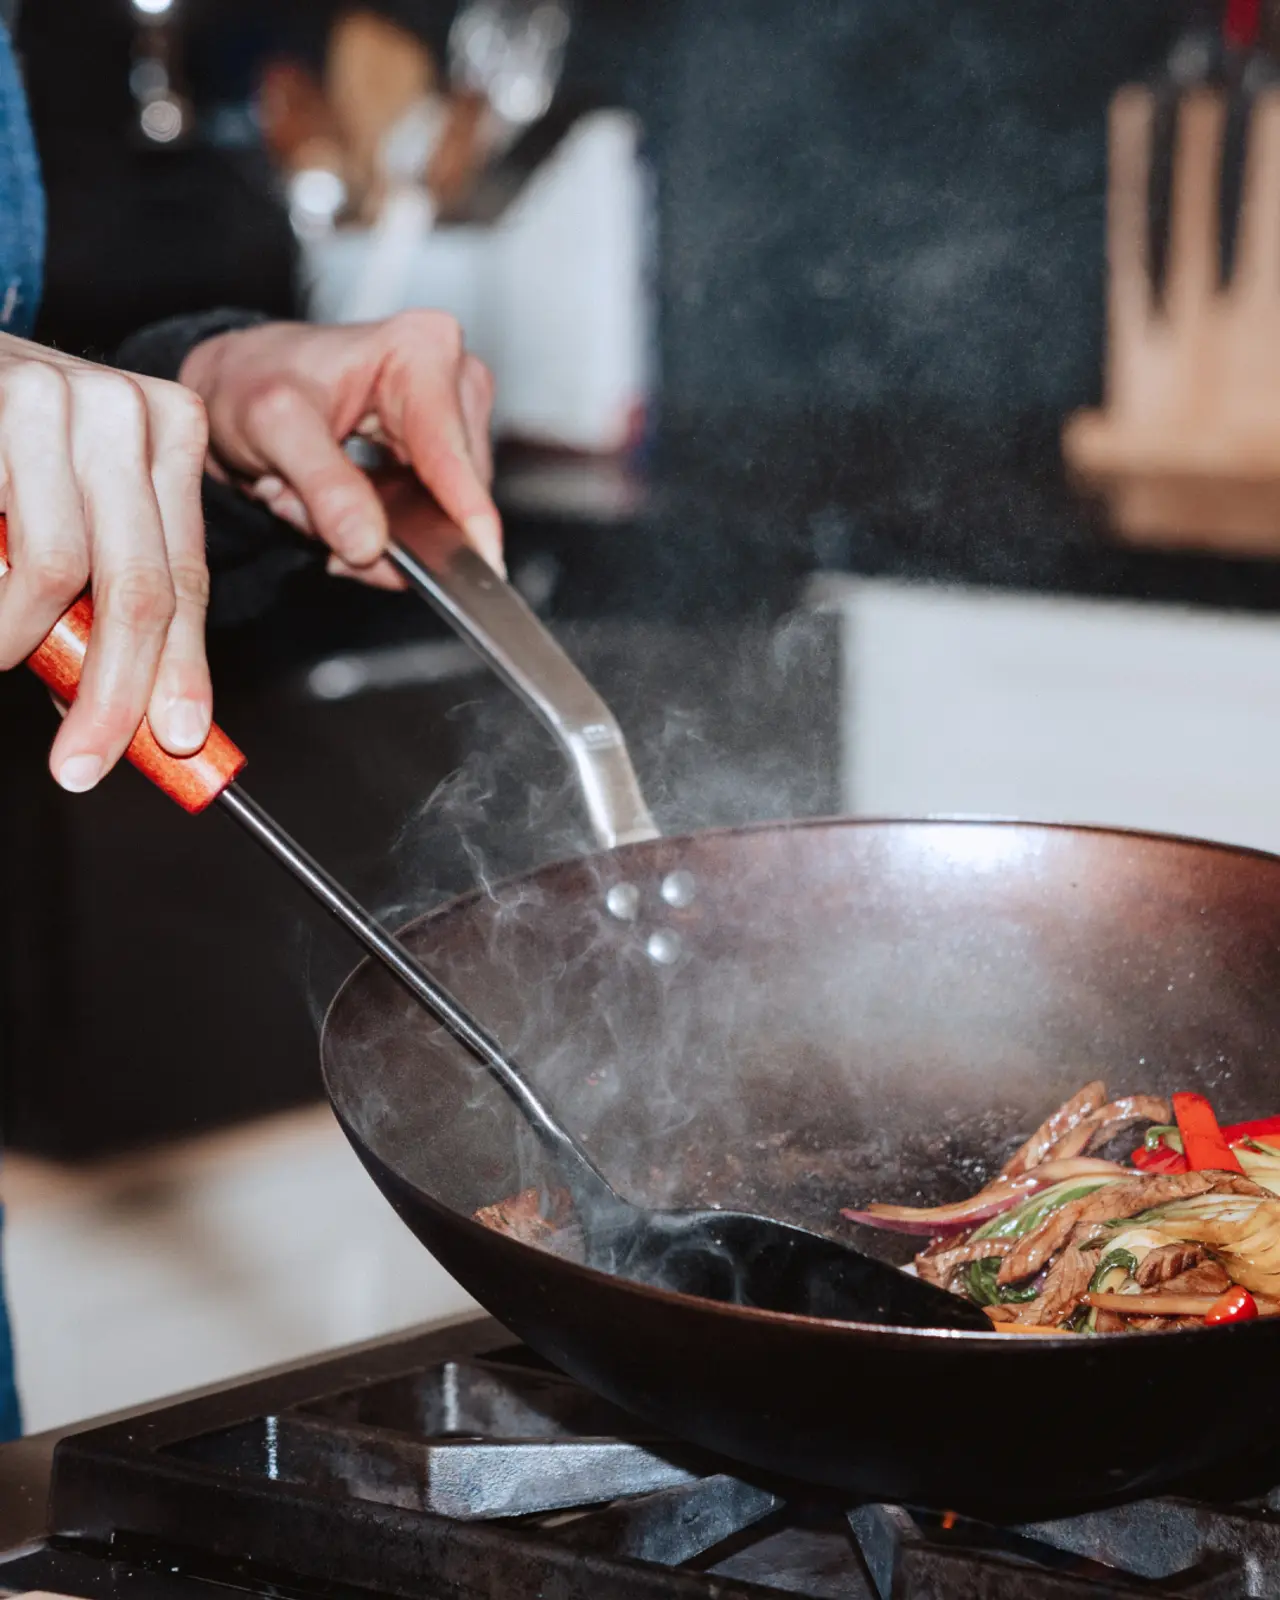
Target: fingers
<point x="314" y="482"/>
<point x="435" y="401"/>
<point x="100" y="475"/>
<point x="181" y="706"/>
<point x="134" y="601"/>
<point x="1132" y="113"/>
<point x="1193" y="233"/>
<point x="48" y="539"/>
<point x="1257" y="271"/>
<point x="282" y="502"/>
<point x="381" y="575"/>
<point x="475" y="390"/>
<point x="282" y="398"/>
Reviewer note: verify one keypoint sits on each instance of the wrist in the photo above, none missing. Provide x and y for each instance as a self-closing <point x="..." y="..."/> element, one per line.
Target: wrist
<point x="201" y="363"/>
<point x="161" y="350"/>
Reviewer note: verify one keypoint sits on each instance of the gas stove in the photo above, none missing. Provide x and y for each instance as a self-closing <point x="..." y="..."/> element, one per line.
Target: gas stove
<point x="456" y="1463"/>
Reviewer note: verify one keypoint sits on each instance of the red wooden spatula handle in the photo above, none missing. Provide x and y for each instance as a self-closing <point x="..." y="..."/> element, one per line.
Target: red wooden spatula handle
<point x="193" y="781"/>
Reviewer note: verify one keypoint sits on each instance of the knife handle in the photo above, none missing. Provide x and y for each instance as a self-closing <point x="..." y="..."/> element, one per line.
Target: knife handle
<point x="194" y="781"/>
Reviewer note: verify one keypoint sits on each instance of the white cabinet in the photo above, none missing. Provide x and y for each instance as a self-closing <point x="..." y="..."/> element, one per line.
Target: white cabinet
<point x="1058" y="709"/>
<point x="203" y="1262"/>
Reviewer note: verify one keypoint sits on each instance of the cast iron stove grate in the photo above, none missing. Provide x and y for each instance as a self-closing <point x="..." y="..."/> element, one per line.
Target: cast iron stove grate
<point x="455" y="1464"/>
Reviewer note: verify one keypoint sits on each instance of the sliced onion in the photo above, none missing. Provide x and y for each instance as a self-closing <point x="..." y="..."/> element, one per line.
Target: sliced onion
<point x="933" y="1221"/>
<point x="1077" y="1167"/>
<point x="1153" y="1305"/>
<point x="998" y="1196"/>
<point x="1250" y="1243"/>
<point x="1169" y="1305"/>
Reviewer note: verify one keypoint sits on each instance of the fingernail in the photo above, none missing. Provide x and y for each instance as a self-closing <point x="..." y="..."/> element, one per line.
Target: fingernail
<point x="186" y="723"/>
<point x="360" y="545"/>
<point x="80" y="773"/>
<point x="485" y="534"/>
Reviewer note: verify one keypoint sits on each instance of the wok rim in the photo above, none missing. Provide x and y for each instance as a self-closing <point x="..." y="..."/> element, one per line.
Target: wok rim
<point x="880" y="1332"/>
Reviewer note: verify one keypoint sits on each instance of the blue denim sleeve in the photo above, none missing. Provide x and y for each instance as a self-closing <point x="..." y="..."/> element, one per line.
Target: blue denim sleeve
<point x="10" y="1410"/>
<point x="22" y="208"/>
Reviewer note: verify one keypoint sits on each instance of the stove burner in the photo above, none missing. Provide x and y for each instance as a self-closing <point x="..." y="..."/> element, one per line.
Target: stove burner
<point x="455" y="1465"/>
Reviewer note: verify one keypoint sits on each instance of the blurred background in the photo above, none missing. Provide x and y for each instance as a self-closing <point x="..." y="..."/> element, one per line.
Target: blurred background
<point x="789" y="308"/>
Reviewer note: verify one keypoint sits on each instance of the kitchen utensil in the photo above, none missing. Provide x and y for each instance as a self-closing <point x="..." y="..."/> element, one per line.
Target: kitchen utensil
<point x="1191" y="384"/>
<point x="710" y="1252"/>
<point x="299" y="130"/>
<point x="504" y="62"/>
<point x="375" y="72"/>
<point x="796" y="1018"/>
<point x="1187" y="443"/>
<point x="511" y="54"/>
<point x="382" y="80"/>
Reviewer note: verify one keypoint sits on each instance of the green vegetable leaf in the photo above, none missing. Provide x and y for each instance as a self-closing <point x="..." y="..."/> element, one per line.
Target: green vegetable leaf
<point x="1123" y="1260"/>
<point x="1164" y="1134"/>
<point x="1022" y="1219"/>
<point x="980" y="1279"/>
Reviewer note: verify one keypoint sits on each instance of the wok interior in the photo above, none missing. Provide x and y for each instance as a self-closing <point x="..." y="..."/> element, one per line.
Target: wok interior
<point x="855" y="1011"/>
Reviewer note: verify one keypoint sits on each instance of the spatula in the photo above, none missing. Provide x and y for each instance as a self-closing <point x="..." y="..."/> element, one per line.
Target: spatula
<point x="731" y="1256"/>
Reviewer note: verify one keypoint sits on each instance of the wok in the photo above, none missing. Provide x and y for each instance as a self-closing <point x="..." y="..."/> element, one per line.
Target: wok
<point x="800" y="1017"/>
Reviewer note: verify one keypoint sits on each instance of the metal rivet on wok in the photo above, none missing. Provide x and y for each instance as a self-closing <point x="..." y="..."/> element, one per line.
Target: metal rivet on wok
<point x="679" y="889"/>
<point x="623" y="901"/>
<point x="664" y="948"/>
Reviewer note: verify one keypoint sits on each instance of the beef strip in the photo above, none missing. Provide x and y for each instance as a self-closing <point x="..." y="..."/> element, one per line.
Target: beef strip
<point x="1039" y="1245"/>
<point x="1205" y="1277"/>
<point x="521" y="1216"/>
<point x="1237" y="1183"/>
<point x="1129" y="1199"/>
<point x="1033" y="1152"/>
<point x="940" y="1266"/>
<point x="1065" y="1285"/>
<point x="1167" y="1262"/>
<point x="1114" y="1201"/>
<point x="1106" y="1123"/>
<point x="1081" y="1219"/>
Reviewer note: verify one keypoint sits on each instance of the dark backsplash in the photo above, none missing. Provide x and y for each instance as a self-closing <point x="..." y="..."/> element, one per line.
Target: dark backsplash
<point x="865" y="203"/>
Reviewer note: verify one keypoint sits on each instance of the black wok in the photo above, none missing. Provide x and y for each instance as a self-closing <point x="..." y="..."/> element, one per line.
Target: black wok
<point x="796" y="1018"/>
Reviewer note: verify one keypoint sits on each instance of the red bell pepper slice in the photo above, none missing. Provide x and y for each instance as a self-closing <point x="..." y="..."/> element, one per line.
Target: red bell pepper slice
<point x="1262" y="1128"/>
<point x="1159" y="1158"/>
<point x="1202" y="1139"/>
<point x="1237" y="1305"/>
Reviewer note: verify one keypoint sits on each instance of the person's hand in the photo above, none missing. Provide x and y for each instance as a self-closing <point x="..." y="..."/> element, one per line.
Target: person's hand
<point x="100" y="479"/>
<point x="282" y="398"/>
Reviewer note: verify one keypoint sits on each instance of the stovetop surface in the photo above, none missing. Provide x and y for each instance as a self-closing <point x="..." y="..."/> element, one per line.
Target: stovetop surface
<point x="457" y="1463"/>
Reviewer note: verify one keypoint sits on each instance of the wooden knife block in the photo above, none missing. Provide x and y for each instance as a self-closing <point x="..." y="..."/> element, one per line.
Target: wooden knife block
<point x="1186" y="448"/>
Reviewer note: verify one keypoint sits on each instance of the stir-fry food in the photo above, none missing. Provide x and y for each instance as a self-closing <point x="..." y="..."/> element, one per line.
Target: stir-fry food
<point x="1185" y="1232"/>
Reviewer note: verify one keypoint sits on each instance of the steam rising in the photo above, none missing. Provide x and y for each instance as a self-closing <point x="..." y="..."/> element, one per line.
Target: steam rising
<point x="724" y="728"/>
<point x="831" y="1017"/>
